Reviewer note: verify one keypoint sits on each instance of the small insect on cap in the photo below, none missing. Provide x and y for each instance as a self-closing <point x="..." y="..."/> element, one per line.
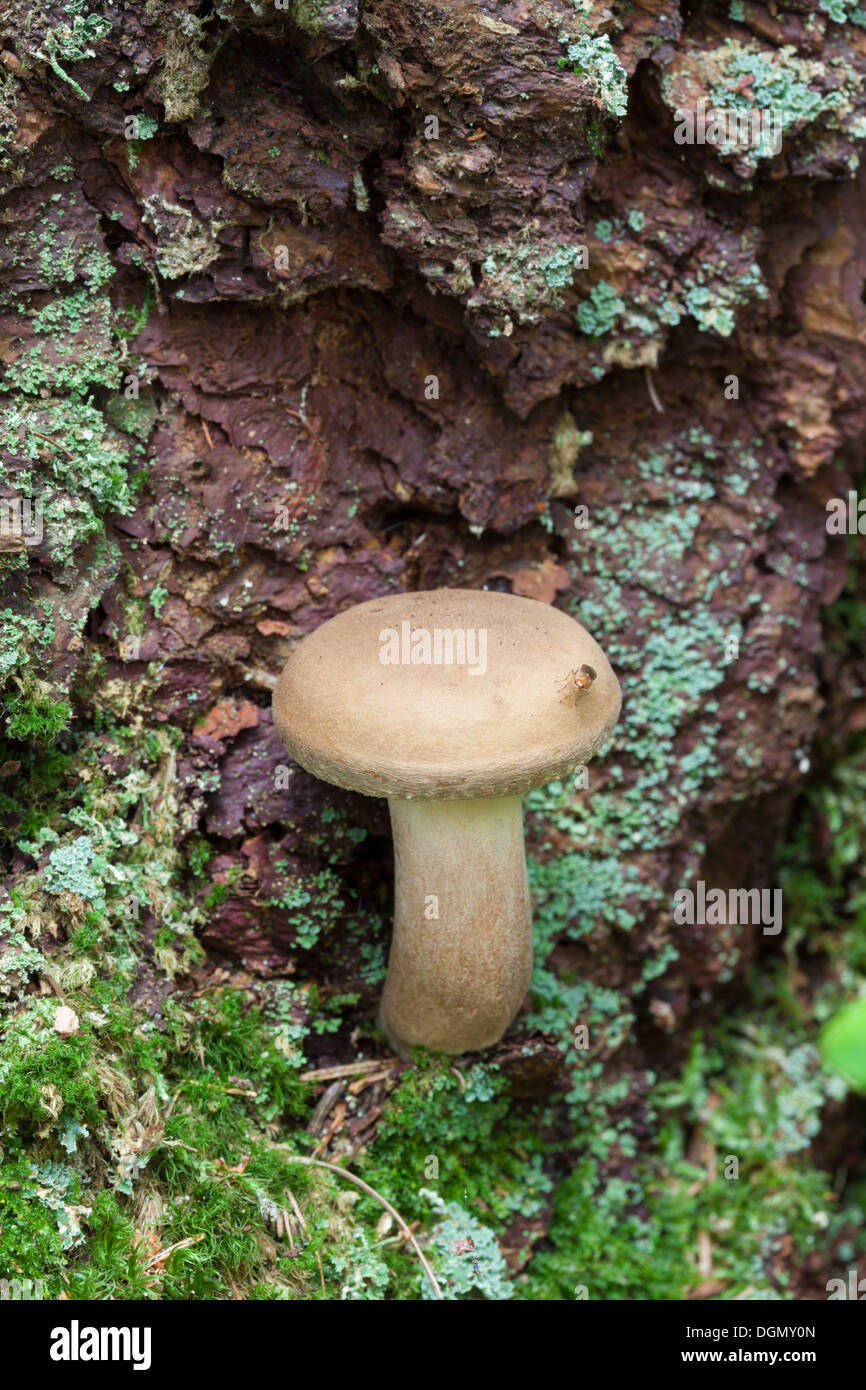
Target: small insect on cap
<point x="445" y="694"/>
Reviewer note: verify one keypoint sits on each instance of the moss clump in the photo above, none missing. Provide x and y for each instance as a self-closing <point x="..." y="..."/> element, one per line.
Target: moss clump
<point x="62" y="451"/>
<point x="185" y="65"/>
<point x="185" y="245"/>
<point x="307" y="14"/>
<point x="54" y="1073"/>
<point x="34" y="715"/>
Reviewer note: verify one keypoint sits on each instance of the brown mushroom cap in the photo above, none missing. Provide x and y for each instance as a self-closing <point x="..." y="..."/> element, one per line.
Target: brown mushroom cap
<point x="444" y="731"/>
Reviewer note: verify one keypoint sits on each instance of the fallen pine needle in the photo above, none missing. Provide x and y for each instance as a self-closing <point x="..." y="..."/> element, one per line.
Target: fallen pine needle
<point x="162" y="1255"/>
<point x="383" y="1202"/>
<point x="653" y="393"/>
<point x="297" y="1210"/>
<point x="177" y="1144"/>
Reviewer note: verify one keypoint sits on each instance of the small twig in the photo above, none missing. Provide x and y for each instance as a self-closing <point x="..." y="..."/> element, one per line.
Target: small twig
<point x="206" y="433"/>
<point x="345" y="1069"/>
<point x="321" y="1273"/>
<point x="333" y="1128"/>
<point x="653" y="394"/>
<point x="383" y="1202"/>
<point x="324" y="1107"/>
<point x="399" y="1239"/>
<point x="296" y="415"/>
<point x="39" y="435"/>
<point x="167" y="1116"/>
<point x="460" y="1078"/>
<point x="370" y="1120"/>
<point x="56" y="987"/>
<point x="356" y="1087"/>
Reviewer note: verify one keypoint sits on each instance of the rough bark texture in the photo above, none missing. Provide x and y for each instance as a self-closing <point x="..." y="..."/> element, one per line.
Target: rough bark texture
<point x="297" y="314"/>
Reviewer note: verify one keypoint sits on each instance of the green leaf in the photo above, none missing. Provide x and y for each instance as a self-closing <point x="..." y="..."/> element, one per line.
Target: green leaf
<point x="843" y="1043"/>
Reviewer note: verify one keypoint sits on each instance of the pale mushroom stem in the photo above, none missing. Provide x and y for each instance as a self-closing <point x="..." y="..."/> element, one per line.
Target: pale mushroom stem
<point x="461" y="952"/>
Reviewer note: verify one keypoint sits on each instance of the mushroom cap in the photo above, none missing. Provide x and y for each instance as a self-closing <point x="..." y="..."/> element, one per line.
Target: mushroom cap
<point x="444" y="730"/>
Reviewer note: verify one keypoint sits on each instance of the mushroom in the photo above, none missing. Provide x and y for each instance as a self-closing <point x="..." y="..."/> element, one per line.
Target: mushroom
<point x="449" y="703"/>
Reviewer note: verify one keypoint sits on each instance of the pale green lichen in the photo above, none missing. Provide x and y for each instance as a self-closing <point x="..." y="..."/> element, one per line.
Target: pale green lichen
<point x="594" y="55"/>
<point x="73" y="40"/>
<point x="844" y="11"/>
<point x="527" y="278"/>
<point x="68" y="871"/>
<point x="764" y="96"/>
<point x="462" y="1271"/>
<point x="598" y="314"/>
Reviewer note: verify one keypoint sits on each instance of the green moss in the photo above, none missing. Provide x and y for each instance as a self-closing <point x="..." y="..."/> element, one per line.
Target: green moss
<point x="307" y="14"/>
<point x="471" y="1147"/>
<point x="185" y="67"/>
<point x="76" y="353"/>
<point x="42" y="1075"/>
<point x="34" y="1218"/>
<point x="820" y="896"/>
<point x="135" y="416"/>
<point x="595" y="136"/>
<point x="36" y="717"/>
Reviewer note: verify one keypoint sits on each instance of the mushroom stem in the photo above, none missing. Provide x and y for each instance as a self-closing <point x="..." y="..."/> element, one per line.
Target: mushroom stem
<point x="461" y="952"/>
